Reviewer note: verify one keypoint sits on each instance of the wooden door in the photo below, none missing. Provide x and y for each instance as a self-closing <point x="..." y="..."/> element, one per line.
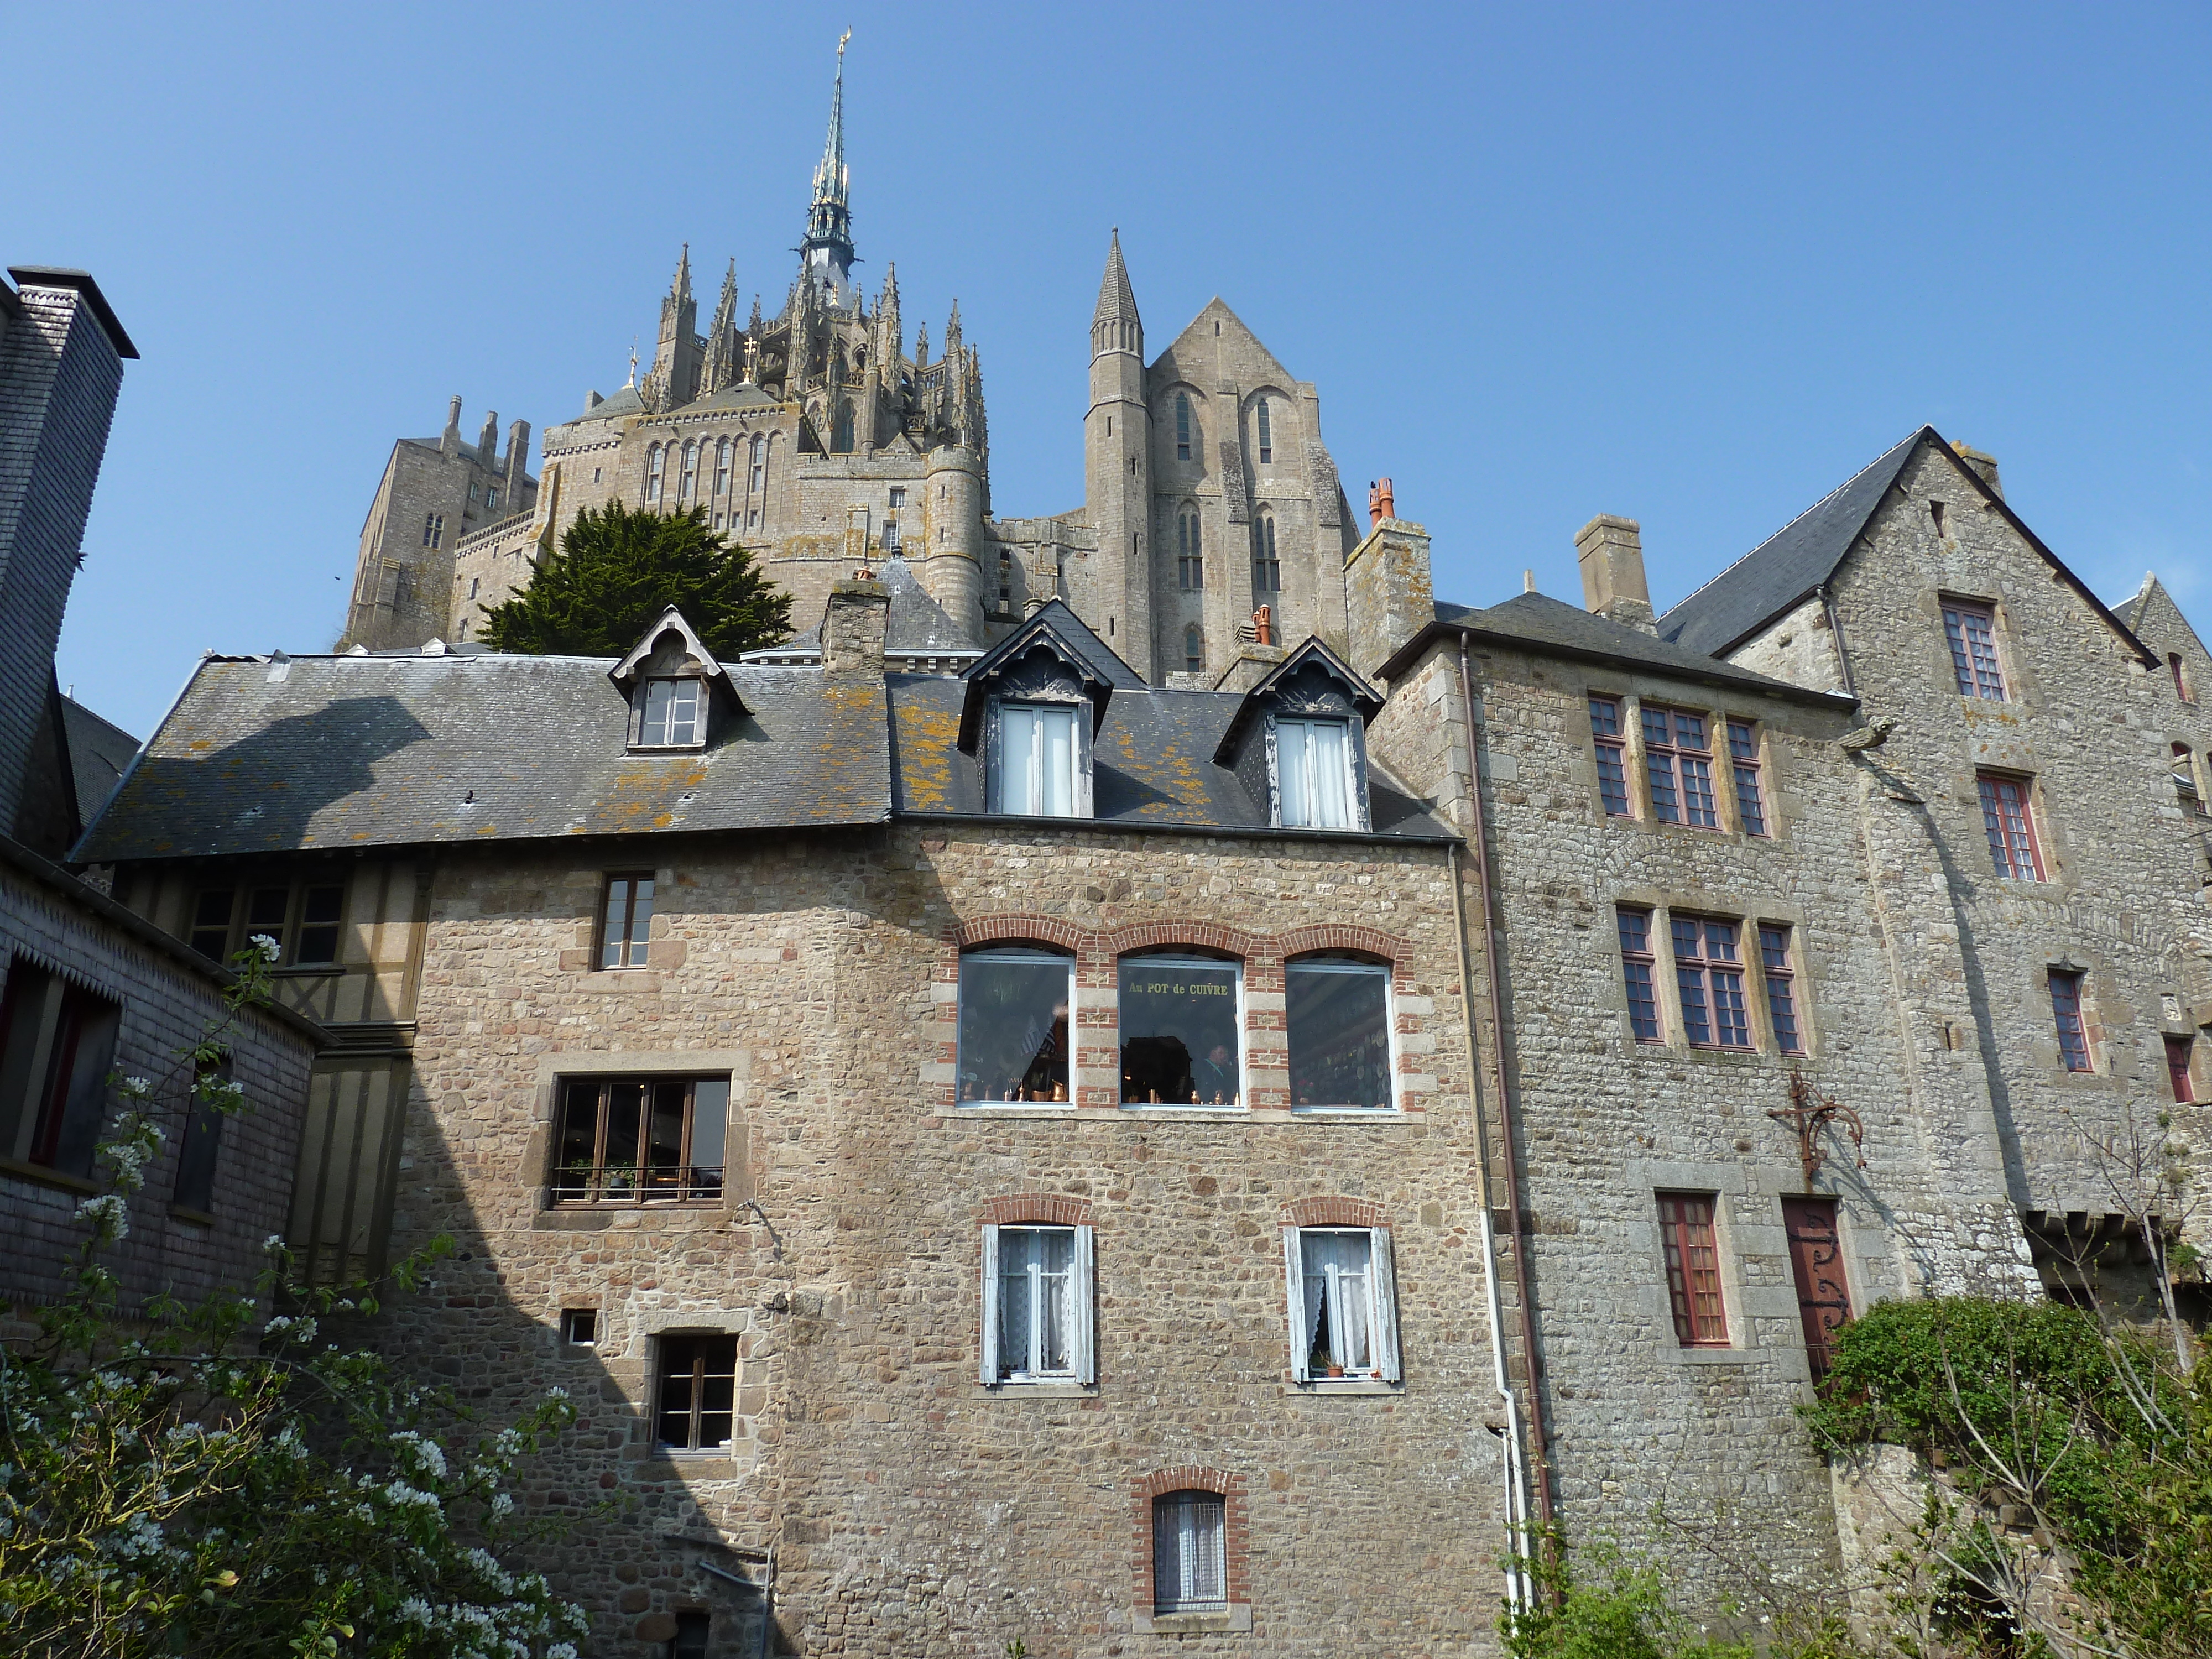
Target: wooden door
<point x="1816" y="1259"/>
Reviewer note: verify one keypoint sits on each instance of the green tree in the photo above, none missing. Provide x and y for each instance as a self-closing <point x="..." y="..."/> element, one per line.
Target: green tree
<point x="179" y="1482"/>
<point x="617" y="570"/>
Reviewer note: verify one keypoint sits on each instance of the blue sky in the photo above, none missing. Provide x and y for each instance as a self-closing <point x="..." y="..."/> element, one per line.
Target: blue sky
<point x="1695" y="265"/>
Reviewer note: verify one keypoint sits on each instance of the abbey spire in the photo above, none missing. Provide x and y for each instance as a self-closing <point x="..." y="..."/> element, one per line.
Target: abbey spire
<point x="828" y="250"/>
<point x="1114" y="325"/>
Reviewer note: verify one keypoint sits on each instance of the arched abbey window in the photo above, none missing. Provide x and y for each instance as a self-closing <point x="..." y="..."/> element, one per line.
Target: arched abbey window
<point x="758" y="481"/>
<point x="840" y="431"/>
<point x="722" y="468"/>
<point x="655" y="458"/>
<point x="1190" y="563"/>
<point x="1194" y="648"/>
<point x="689" y="485"/>
<point x="1183" y="426"/>
<point x="1266" y="568"/>
<point x="1267" y="436"/>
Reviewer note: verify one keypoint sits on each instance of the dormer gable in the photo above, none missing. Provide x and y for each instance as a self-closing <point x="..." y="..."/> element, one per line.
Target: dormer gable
<point x="677" y="692"/>
<point x="1031" y="706"/>
<point x="1298" y="741"/>
<point x="1050" y="657"/>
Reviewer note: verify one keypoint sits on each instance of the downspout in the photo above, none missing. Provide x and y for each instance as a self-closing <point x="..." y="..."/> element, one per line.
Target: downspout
<point x="1836" y="633"/>
<point x="1519" y="1591"/>
<point x="1479" y="841"/>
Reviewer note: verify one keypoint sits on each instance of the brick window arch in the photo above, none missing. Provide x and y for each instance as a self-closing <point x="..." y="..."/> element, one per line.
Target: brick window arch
<point x="1146" y="1493"/>
<point x="1326" y="1210"/>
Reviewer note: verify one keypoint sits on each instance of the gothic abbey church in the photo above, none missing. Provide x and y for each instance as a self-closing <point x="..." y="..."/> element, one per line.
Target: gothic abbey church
<point x="816" y="441"/>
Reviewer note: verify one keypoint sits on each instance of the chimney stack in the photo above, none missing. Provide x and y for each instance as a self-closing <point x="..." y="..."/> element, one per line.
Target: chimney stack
<point x="853" y="627"/>
<point x="1381" y="503"/>
<point x="1983" y="466"/>
<point x="1611" y="551"/>
<point x="1389" y="593"/>
<point x="450" y="442"/>
<point x="518" y="460"/>
<point x="488" y="440"/>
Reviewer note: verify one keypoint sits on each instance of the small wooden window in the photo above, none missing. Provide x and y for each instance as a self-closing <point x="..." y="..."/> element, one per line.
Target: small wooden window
<point x="636" y="1140"/>
<point x="1638" y="969"/>
<point x="1679" y="760"/>
<point x="211" y="911"/>
<point x="2066" y="1014"/>
<point x="2179" y="1052"/>
<point x="1781" y="988"/>
<point x="579" y="1326"/>
<point x="1190" y="1556"/>
<point x="317" y="939"/>
<point x="1709" y="970"/>
<point x="1612" y="770"/>
<point x="1816" y="1262"/>
<point x="1314" y="782"/>
<point x="1972" y="630"/>
<point x="1743" y="760"/>
<point x="1693" y="1269"/>
<point x="698" y="1393"/>
<point x="2009" y="817"/>
<point x="626" y="921"/>
<point x="1343" y="1304"/>
<point x="671" y="713"/>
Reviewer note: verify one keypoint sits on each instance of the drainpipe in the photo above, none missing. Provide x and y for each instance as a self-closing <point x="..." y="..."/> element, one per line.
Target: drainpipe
<point x="1478" y="843"/>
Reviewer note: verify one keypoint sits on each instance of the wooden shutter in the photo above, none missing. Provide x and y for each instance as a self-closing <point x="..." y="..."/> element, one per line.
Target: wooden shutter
<point x="1816" y="1260"/>
<point x="1295" y="1280"/>
<point x="1385" y="1285"/>
<point x="1083" y="1345"/>
<point x="988" y="1367"/>
<point x="994" y="760"/>
<point x="1078" y="749"/>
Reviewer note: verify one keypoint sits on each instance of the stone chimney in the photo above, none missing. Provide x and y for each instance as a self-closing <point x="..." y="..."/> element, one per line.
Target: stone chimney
<point x="488" y="440"/>
<point x="1382" y="502"/>
<point x="853" y="627"/>
<point x="518" y="460"/>
<point x="450" y="440"/>
<point x="1982" y="467"/>
<point x="1612" y="554"/>
<point x="1389" y="595"/>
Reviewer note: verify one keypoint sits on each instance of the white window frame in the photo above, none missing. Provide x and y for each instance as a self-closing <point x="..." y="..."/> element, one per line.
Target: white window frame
<point x="699" y="708"/>
<point x="1283" y="729"/>
<point x="1078" y="757"/>
<point x="1082" y="1342"/>
<point x="1014" y="953"/>
<point x="1381" y="1307"/>
<point x="1388" y="975"/>
<point x="1243" y="1057"/>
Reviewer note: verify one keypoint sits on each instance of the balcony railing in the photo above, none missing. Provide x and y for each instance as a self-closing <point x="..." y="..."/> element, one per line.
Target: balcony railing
<point x="651" y="1183"/>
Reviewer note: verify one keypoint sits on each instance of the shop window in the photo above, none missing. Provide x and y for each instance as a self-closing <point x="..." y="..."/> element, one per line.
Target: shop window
<point x="1037" y="1305"/>
<point x="1343" y="1300"/>
<point x="1190" y="1557"/>
<point x="1339" y="1016"/>
<point x="1014" y="1027"/>
<point x="1612" y="774"/>
<point x="57" y="1044"/>
<point x="637" y="1140"/>
<point x="1693" y="1270"/>
<point x="626" y="921"/>
<point x="1181" y="1031"/>
<point x="697" y="1406"/>
<point x="1680" y="764"/>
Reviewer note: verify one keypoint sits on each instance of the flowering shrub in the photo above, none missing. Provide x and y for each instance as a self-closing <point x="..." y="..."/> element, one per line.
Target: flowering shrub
<point x="198" y="1480"/>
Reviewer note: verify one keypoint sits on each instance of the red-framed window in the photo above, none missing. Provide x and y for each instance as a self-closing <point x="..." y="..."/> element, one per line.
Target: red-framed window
<point x="2180" y="1051"/>
<point x="1638" y="969"/>
<point x="1781" y="988"/>
<point x="2009" y="817"/>
<point x="2173" y="665"/>
<point x="1678" y="756"/>
<point x="2066" y="1012"/>
<point x="1743" y="759"/>
<point x="1709" y="968"/>
<point x="1611" y="769"/>
<point x="1972" y="631"/>
<point x="1693" y="1269"/>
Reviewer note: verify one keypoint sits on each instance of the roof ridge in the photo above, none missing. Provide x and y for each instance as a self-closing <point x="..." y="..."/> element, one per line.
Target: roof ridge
<point x="1783" y="529"/>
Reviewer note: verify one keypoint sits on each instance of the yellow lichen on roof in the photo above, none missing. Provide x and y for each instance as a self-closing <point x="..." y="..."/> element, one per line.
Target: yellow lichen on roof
<point x="926" y="739"/>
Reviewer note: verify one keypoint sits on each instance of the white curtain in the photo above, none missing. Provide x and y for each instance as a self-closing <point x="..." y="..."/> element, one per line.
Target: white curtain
<point x="1314" y="766"/>
<point x="1339" y="1273"/>
<point x="1033" y="1266"/>
<point x="1189" y="1559"/>
<point x="1037" y="774"/>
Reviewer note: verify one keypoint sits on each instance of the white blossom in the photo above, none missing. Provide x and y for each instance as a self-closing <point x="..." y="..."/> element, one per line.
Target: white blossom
<point x="108" y="1212"/>
<point x="400" y="1492"/>
<point x="503" y="1504"/>
<point x="419" y="1452"/>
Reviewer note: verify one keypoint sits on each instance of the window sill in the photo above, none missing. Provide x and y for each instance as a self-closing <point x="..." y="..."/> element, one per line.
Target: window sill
<point x="1046" y="1389"/>
<point x="1366" y="1385"/>
<point x="1236" y="1619"/>
<point x="45" y="1177"/>
<point x="667" y="748"/>
<point x="197" y="1217"/>
<point x="1716" y="1356"/>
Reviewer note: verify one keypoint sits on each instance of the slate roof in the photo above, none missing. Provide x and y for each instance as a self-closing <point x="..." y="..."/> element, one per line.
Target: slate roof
<point x="99" y="750"/>
<point x="1790" y="566"/>
<point x="1538" y="622"/>
<point x="1151" y="762"/>
<point x="359" y="751"/>
<point x="1076" y="634"/>
<point x="623" y="402"/>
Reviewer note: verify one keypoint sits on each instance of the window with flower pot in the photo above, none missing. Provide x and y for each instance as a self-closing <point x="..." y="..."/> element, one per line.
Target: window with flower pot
<point x="640" y="1140"/>
<point x="1343" y="1304"/>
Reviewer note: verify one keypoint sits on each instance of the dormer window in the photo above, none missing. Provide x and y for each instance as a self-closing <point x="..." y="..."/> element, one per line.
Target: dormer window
<point x="1033" y="768"/>
<point x="1313" y="770"/>
<point x="670" y="717"/>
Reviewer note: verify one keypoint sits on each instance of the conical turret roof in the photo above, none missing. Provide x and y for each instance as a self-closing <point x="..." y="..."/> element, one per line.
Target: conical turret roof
<point x="1117" y="303"/>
